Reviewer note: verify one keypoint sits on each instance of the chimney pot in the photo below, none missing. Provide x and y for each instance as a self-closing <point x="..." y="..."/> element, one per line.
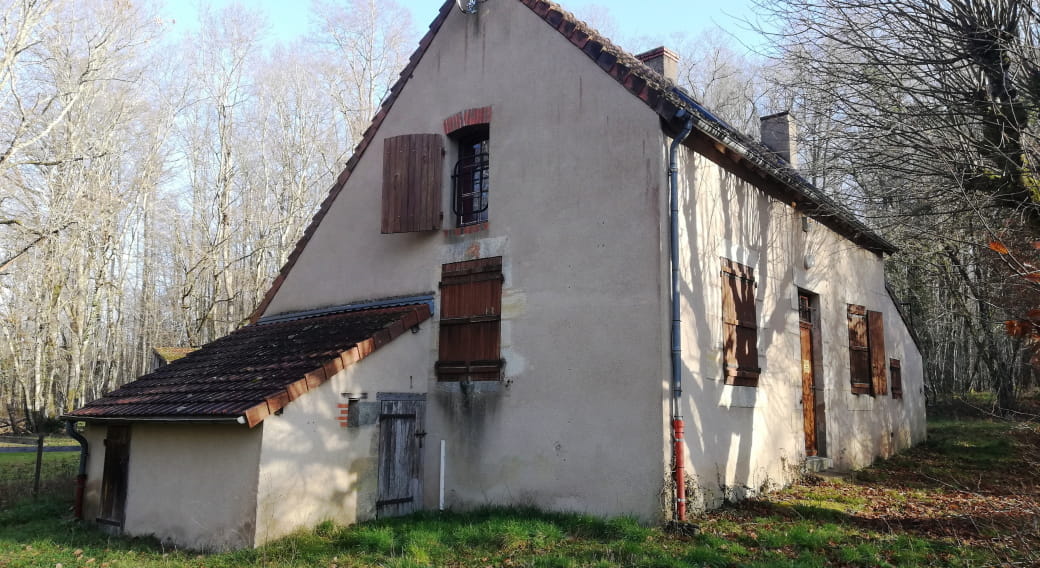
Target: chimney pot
<point x="780" y="134"/>
<point x="662" y="60"/>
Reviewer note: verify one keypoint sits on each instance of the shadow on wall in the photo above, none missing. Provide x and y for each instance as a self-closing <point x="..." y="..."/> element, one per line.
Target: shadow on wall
<point x="729" y="463"/>
<point x="315" y="470"/>
<point x="711" y="438"/>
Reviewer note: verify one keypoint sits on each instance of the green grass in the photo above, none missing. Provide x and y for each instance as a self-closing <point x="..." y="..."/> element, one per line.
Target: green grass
<point x="19" y="466"/>
<point x="17" y="471"/>
<point x="30" y="441"/>
<point x="889" y="515"/>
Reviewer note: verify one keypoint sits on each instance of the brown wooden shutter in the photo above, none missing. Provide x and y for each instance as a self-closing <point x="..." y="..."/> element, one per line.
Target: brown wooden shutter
<point x="859" y="350"/>
<point x="470" y="325"/>
<point x="114" y="475"/>
<point x="897" y="378"/>
<point x="878" y="361"/>
<point x="739" y="325"/>
<point x="412" y="176"/>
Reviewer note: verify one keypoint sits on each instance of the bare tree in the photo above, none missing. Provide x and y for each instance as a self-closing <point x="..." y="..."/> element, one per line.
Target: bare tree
<point x="224" y="56"/>
<point x="923" y="124"/>
<point x="65" y="169"/>
<point x="151" y="191"/>
<point x="721" y="76"/>
<point x="366" y="44"/>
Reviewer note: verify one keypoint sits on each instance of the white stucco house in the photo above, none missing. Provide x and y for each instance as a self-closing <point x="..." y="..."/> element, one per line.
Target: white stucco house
<point x="482" y="313"/>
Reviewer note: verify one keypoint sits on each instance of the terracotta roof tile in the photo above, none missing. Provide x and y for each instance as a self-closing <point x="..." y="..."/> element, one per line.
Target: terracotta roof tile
<point x="256" y="370"/>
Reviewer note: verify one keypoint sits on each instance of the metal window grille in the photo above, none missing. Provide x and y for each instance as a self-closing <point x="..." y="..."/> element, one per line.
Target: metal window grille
<point x="470" y="181"/>
<point x="806" y="312"/>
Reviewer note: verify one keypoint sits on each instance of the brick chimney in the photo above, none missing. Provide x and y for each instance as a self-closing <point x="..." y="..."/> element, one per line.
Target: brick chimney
<point x="779" y="134"/>
<point x="662" y="60"/>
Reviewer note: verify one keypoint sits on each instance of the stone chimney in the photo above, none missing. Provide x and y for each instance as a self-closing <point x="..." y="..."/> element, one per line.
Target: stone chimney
<point x="662" y="60"/>
<point x="779" y="134"/>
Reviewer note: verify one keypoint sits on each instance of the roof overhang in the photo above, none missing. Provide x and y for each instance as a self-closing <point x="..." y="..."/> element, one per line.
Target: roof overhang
<point x="257" y="370"/>
<point x="240" y="419"/>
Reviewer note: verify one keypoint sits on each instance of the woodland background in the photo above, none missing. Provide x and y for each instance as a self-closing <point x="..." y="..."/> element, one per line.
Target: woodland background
<point x="151" y="186"/>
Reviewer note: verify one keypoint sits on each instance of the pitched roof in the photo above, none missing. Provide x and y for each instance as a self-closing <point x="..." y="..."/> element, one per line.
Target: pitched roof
<point x="256" y="370"/>
<point x="746" y="158"/>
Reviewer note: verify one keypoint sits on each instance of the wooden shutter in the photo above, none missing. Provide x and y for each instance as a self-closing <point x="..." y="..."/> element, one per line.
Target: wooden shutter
<point x="859" y="350"/>
<point x="878" y="361"/>
<point x="470" y="325"/>
<point x="114" y="475"/>
<point x="897" y="378"/>
<point x="412" y="172"/>
<point x="739" y="325"/>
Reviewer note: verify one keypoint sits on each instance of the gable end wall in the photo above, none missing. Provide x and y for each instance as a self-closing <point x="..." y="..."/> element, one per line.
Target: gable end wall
<point x="577" y="177"/>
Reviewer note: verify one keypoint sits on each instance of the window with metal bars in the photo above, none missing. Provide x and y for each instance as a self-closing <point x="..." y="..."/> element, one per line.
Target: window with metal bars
<point x="470" y="177"/>
<point x="470" y="323"/>
<point x="806" y="313"/>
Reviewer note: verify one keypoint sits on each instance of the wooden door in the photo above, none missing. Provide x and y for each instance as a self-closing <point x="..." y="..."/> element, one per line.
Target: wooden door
<point x="808" y="389"/>
<point x="114" y="476"/>
<point x="400" y="457"/>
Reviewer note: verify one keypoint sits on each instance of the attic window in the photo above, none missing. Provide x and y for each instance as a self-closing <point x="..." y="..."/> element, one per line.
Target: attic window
<point x="470" y="176"/>
<point x="471" y="318"/>
<point x="739" y="325"/>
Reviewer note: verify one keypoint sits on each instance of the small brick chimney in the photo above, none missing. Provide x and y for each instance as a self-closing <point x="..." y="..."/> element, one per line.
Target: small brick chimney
<point x="662" y="60"/>
<point x="779" y="134"/>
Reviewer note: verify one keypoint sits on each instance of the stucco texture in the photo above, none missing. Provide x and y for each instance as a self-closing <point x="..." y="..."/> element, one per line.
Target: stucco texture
<point x="312" y="468"/>
<point x="190" y="485"/>
<point x="95" y="436"/>
<point x="743" y="440"/>
<point x="577" y="168"/>
<point x="578" y="211"/>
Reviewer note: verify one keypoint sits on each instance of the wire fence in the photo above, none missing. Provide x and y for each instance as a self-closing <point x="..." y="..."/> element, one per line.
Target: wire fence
<point x="31" y="467"/>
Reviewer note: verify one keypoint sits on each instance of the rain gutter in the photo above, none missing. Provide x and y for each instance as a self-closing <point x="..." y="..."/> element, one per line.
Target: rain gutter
<point x="81" y="475"/>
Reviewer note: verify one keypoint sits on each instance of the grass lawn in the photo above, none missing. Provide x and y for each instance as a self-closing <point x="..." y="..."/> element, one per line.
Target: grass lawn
<point x="22" y="465"/>
<point x="18" y="469"/>
<point x="970" y="496"/>
<point x="30" y="441"/>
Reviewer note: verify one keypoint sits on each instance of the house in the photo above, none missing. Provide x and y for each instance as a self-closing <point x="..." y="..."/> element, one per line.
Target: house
<point x="481" y="313"/>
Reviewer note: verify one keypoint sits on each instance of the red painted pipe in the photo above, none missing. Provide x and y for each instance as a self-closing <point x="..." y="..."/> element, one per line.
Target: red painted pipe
<point x="680" y="470"/>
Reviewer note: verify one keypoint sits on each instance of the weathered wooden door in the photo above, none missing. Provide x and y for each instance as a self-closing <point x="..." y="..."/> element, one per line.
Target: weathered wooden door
<point x="400" y="456"/>
<point x="808" y="389"/>
<point x="114" y="476"/>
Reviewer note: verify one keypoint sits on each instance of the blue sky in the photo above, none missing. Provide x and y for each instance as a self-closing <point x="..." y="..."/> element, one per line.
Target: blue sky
<point x="633" y="18"/>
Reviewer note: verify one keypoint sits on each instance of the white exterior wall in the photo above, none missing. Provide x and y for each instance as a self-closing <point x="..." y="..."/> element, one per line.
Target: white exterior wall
<point x="313" y="469"/>
<point x="578" y="212"/>
<point x="745" y="439"/>
<point x="95" y="436"/>
<point x="577" y="169"/>
<point x="190" y="485"/>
